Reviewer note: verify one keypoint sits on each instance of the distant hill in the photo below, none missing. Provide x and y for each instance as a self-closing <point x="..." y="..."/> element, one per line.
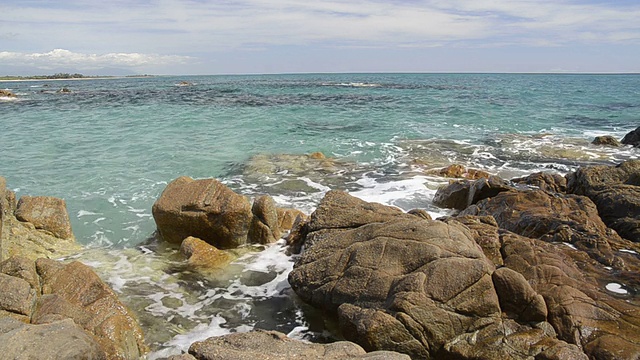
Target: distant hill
<point x="28" y="71"/>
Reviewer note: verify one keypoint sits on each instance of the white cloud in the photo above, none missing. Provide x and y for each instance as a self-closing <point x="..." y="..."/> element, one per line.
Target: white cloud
<point x="61" y="57"/>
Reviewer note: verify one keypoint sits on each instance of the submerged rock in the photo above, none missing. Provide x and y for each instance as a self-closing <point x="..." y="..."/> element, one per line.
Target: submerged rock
<point x="7" y="93"/>
<point x="204" y="256"/>
<point x="204" y="208"/>
<point x="606" y="140"/>
<point x="460" y="171"/>
<point x="266" y="345"/>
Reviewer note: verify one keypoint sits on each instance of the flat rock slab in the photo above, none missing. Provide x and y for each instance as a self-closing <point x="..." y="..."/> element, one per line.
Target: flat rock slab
<point x="272" y="345"/>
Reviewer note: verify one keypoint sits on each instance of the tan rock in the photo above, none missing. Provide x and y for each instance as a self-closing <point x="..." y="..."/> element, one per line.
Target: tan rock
<point x="17" y="295"/>
<point x="264" y="227"/>
<point x="287" y="217"/>
<point x="78" y="293"/>
<point x="206" y="209"/>
<point x="6" y="93"/>
<point x="45" y="213"/>
<point x="202" y="255"/>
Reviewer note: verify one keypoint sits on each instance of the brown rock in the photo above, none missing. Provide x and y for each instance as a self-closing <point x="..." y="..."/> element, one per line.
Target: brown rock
<point x="17" y="295"/>
<point x="79" y="291"/>
<point x="317" y="156"/>
<point x="606" y="140"/>
<point x="6" y="93"/>
<point x="484" y="231"/>
<point x="22" y="268"/>
<point x="203" y="255"/>
<point x="264" y="227"/>
<point x="517" y="297"/>
<point x="554" y="218"/>
<point x="459" y="171"/>
<point x="461" y="194"/>
<point x="268" y="345"/>
<point x="616" y="193"/>
<point x="544" y="181"/>
<point x="58" y="340"/>
<point x="45" y="213"/>
<point x="3" y="208"/>
<point x="206" y="209"/>
<point x="287" y="217"/>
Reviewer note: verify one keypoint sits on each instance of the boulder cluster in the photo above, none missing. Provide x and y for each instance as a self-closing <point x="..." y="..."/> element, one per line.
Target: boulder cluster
<point x="521" y="272"/>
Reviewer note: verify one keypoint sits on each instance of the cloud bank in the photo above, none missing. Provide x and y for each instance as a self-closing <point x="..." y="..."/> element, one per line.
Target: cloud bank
<point x="64" y="58"/>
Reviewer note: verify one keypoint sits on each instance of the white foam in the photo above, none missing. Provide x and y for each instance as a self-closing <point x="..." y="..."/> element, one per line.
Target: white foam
<point x="82" y="213"/>
<point x="616" y="288"/>
<point x="629" y="251"/>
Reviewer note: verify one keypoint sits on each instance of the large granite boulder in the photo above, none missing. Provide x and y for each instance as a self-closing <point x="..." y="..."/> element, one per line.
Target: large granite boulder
<point x="42" y="230"/>
<point x="267" y="345"/>
<point x="430" y="290"/>
<point x="75" y="291"/>
<point x="61" y="339"/>
<point x="206" y="209"/>
<point x="46" y="213"/>
<point x="616" y="192"/>
<point x="553" y="218"/>
<point x="49" y="292"/>
<point x="632" y="138"/>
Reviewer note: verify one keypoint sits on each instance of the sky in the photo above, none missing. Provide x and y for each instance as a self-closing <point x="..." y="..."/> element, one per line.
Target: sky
<point x="202" y="37"/>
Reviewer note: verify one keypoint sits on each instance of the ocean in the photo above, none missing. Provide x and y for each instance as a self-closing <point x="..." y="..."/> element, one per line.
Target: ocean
<point x="110" y="146"/>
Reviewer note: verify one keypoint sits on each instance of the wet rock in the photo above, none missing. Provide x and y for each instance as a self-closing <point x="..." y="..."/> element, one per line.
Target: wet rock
<point x="6" y="93"/>
<point x="632" y="138"/>
<point x="551" y="217"/>
<point x="204" y="256"/>
<point x="58" y="340"/>
<point x="616" y="192"/>
<point x="266" y="345"/>
<point x="460" y="194"/>
<point x="76" y="292"/>
<point x="544" y="181"/>
<point x="287" y="217"/>
<point x="460" y="171"/>
<point x="206" y="209"/>
<point x="264" y="227"/>
<point x="45" y="213"/>
<point x="606" y="140"/>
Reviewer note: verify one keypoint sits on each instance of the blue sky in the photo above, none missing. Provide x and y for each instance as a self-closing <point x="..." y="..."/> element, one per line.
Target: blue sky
<point x="282" y="36"/>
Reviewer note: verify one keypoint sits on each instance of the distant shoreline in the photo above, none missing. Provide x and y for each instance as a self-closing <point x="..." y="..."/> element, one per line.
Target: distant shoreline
<point x="79" y="78"/>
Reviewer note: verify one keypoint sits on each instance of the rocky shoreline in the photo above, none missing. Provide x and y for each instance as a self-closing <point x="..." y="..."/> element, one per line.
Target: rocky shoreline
<point x="540" y="267"/>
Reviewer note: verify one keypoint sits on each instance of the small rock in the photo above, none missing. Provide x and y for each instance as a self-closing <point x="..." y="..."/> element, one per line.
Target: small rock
<point x="606" y="140"/>
<point x="632" y="138"/>
<point x="202" y="255"/>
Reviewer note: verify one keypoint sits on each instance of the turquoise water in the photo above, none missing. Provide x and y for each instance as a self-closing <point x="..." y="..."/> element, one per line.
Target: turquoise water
<point x="109" y="147"/>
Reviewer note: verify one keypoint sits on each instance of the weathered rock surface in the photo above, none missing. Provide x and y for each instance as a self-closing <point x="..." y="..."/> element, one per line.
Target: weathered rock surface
<point x="606" y="140"/>
<point x="616" y="193"/>
<point x="45" y="213"/>
<point x="48" y="292"/>
<point x="61" y="339"/>
<point x="264" y="227"/>
<point x="287" y="217"/>
<point x="632" y="138"/>
<point x="544" y="181"/>
<point x="460" y="194"/>
<point x="553" y="218"/>
<point x="206" y="209"/>
<point x="430" y="289"/>
<point x="268" y="345"/>
<point x="34" y="240"/>
<point x="79" y="294"/>
<point x="204" y="256"/>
